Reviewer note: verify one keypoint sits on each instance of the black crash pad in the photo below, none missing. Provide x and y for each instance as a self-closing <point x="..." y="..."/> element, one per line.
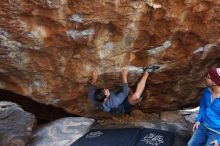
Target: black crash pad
<point x="126" y="137"/>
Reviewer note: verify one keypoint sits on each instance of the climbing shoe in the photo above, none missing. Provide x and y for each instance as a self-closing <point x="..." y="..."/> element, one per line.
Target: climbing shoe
<point x="151" y="68"/>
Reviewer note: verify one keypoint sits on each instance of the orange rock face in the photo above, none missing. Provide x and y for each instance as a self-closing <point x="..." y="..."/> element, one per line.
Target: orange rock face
<point x="48" y="48"/>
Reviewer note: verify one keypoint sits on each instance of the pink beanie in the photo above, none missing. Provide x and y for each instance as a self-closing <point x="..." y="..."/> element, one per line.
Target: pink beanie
<point x="214" y="74"/>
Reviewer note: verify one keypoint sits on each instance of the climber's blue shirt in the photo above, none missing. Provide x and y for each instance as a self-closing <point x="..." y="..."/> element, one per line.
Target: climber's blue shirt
<point x="113" y="101"/>
<point x="209" y="112"/>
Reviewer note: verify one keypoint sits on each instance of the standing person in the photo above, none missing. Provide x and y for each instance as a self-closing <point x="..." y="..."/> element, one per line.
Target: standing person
<point x="207" y="127"/>
<point x="118" y="103"/>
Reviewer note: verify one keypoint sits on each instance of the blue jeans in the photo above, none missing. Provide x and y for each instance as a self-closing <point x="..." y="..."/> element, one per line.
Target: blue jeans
<point x="203" y="136"/>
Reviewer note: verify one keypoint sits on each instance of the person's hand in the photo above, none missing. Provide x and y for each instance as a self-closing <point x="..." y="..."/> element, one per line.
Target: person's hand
<point x="214" y="143"/>
<point x="124" y="71"/>
<point x="106" y="92"/>
<point x="146" y="73"/>
<point x="94" y="76"/>
<point x="124" y="74"/>
<point x="195" y="126"/>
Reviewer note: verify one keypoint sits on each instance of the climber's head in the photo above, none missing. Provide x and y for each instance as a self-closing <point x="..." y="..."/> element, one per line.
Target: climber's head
<point x="100" y="95"/>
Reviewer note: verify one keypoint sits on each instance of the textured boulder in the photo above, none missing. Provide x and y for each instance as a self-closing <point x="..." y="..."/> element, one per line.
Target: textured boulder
<point x="48" y="48"/>
<point x="190" y="116"/>
<point x="61" y="132"/>
<point x="15" y="125"/>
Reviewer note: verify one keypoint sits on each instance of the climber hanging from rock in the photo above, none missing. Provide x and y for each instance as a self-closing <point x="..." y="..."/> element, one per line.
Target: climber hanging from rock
<point x="121" y="102"/>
